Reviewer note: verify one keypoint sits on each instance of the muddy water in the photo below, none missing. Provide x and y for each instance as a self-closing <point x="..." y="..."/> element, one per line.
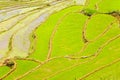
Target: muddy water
<point x="16" y="27"/>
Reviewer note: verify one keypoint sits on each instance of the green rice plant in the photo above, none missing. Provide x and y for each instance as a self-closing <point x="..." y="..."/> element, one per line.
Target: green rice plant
<point x="60" y="40"/>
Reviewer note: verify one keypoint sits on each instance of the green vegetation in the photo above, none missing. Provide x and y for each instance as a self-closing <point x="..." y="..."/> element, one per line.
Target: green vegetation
<point x="75" y="43"/>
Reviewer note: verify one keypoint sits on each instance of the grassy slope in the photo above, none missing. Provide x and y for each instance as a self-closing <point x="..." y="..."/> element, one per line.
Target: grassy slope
<point x="102" y="32"/>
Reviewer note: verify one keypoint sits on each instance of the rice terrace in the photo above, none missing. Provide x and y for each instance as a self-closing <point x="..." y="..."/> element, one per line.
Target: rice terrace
<point x="59" y="39"/>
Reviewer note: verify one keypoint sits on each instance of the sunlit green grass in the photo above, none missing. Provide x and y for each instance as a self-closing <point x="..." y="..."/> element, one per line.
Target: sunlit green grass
<point x="71" y="57"/>
<point x="46" y="30"/>
<point x="104" y="6"/>
<point x="22" y="67"/>
<point x="96" y="26"/>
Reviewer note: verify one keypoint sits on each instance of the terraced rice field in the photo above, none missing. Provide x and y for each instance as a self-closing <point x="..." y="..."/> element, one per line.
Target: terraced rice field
<point x="60" y="40"/>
